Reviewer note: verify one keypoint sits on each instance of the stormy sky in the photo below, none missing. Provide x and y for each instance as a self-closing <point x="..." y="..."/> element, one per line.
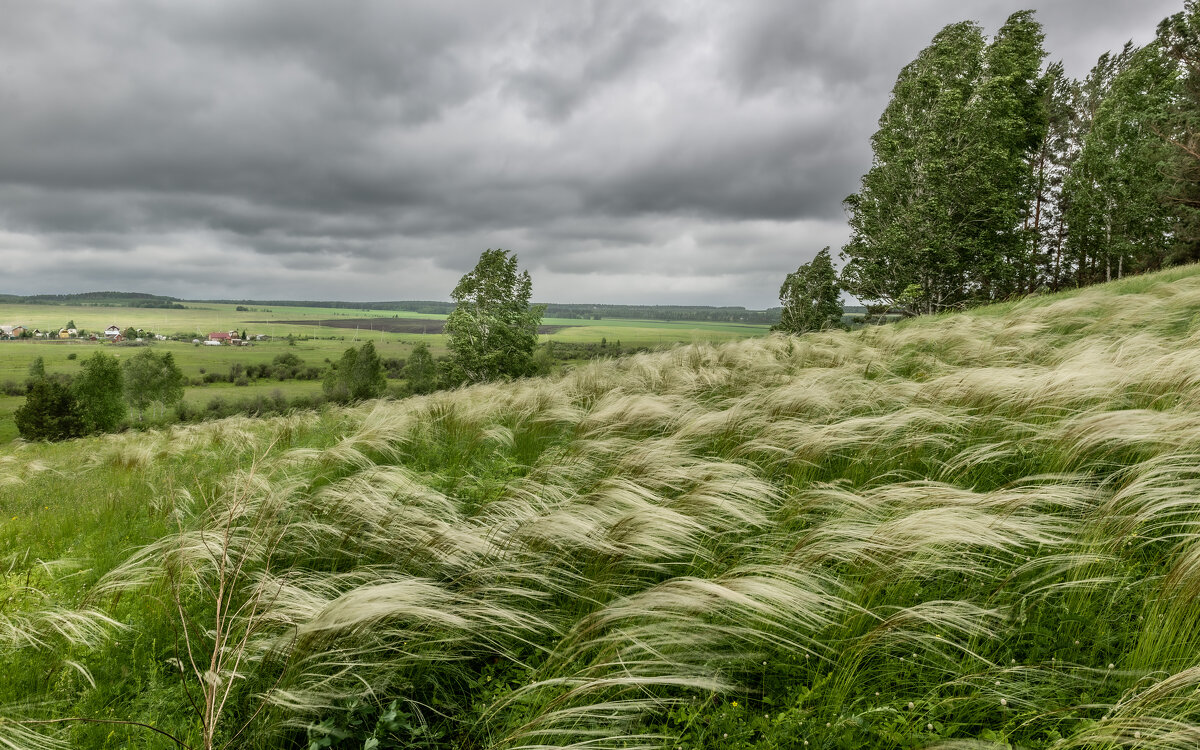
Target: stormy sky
<point x="674" y="152"/>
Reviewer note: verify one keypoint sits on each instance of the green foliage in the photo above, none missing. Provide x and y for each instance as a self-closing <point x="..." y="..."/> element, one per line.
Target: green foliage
<point x="1117" y="219"/>
<point x="99" y="390"/>
<point x="37" y="369"/>
<point x="357" y="376"/>
<point x="50" y="412"/>
<point x="810" y="297"/>
<point x="492" y="331"/>
<point x="942" y="206"/>
<point x="420" y="370"/>
<point x="152" y="378"/>
<point x="1179" y="125"/>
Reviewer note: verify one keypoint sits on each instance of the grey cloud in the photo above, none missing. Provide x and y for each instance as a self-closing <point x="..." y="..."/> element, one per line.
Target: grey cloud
<point x="667" y="152"/>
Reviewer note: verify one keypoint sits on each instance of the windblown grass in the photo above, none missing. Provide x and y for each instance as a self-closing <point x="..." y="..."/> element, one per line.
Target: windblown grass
<point x="981" y="527"/>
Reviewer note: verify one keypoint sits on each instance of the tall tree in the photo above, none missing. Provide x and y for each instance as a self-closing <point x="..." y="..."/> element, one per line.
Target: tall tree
<point x="420" y="370"/>
<point x="152" y="378"/>
<point x="902" y="230"/>
<point x="99" y="391"/>
<point x="810" y="297"/>
<point x="1118" y="221"/>
<point x="492" y="330"/>
<point x="1179" y="36"/>
<point x="357" y="376"/>
<point x="940" y="219"/>
<point x="1010" y="111"/>
<point x="1045" y="217"/>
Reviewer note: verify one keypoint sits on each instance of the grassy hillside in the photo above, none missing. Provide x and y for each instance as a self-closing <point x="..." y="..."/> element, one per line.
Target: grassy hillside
<point x="975" y="527"/>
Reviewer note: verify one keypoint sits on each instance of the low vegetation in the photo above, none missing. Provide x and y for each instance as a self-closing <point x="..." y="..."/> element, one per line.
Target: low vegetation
<point x="976" y="527"/>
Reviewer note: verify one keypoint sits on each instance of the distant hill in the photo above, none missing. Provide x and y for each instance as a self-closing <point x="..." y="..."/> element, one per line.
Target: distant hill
<point x="97" y="299"/>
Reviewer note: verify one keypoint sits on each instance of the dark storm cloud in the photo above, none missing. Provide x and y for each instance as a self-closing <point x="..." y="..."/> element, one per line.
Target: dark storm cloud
<point x="674" y="152"/>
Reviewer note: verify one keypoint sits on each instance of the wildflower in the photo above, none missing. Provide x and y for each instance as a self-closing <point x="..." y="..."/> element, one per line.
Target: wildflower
<point x="911" y="705"/>
<point x="1004" y="701"/>
<point x="734" y="704"/>
<point x="929" y="727"/>
<point x="1111" y="665"/>
<point x="725" y="735"/>
<point x="1137" y="735"/>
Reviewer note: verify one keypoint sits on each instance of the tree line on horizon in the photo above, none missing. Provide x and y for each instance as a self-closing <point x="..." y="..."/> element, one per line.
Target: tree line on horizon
<point x="996" y="175"/>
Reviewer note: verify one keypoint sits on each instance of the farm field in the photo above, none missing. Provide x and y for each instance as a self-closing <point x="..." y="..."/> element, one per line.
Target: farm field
<point x="324" y="336"/>
<point x="970" y="530"/>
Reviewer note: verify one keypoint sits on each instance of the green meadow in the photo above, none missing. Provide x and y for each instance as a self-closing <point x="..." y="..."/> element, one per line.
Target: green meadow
<point x="316" y="344"/>
<point x="972" y="530"/>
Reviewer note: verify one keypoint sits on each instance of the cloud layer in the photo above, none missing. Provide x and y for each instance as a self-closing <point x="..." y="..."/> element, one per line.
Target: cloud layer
<point x="678" y="152"/>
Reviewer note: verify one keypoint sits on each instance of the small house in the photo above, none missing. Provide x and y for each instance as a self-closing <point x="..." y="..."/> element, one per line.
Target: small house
<point x="112" y="332"/>
<point x="221" y="337"/>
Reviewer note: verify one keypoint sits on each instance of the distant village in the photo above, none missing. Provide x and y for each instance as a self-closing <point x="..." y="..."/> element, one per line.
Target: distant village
<point x="116" y="335"/>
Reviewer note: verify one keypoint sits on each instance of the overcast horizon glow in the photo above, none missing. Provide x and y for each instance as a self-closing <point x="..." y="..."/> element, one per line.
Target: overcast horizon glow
<point x="679" y="152"/>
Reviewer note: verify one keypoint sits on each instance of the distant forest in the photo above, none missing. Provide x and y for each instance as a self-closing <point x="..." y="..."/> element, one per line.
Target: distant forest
<point x="99" y="299"/>
<point x="553" y="310"/>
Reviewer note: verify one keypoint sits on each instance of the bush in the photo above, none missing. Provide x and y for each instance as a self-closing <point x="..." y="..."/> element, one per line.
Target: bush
<point x="50" y="412"/>
<point x="11" y="387"/>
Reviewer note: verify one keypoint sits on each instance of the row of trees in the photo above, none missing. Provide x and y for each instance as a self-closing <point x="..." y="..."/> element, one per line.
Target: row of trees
<point x="99" y="397"/>
<point x="995" y="175"/>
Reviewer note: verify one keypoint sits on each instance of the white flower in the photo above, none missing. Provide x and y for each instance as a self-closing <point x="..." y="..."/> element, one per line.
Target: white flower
<point x="1004" y="701"/>
<point x="1111" y="665"/>
<point x="911" y="705"/>
<point x="928" y="727"/>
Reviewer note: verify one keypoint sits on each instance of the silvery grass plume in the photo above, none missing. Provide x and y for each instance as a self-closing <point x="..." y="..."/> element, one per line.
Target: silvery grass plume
<point x="634" y="656"/>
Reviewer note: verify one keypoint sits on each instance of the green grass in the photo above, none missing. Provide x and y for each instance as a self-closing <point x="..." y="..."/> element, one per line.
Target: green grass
<point x="317" y="346"/>
<point x="968" y="528"/>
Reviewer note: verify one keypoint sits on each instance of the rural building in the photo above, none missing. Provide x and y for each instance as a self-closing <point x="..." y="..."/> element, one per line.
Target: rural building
<point x="212" y="342"/>
<point x="221" y="337"/>
<point x="11" y="332"/>
<point x="112" y="332"/>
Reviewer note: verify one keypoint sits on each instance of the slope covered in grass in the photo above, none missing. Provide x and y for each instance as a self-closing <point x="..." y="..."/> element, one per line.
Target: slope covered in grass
<point x="972" y="527"/>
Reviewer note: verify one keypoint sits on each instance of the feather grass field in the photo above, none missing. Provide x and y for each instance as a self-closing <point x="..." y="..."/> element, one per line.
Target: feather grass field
<point x="970" y="530"/>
